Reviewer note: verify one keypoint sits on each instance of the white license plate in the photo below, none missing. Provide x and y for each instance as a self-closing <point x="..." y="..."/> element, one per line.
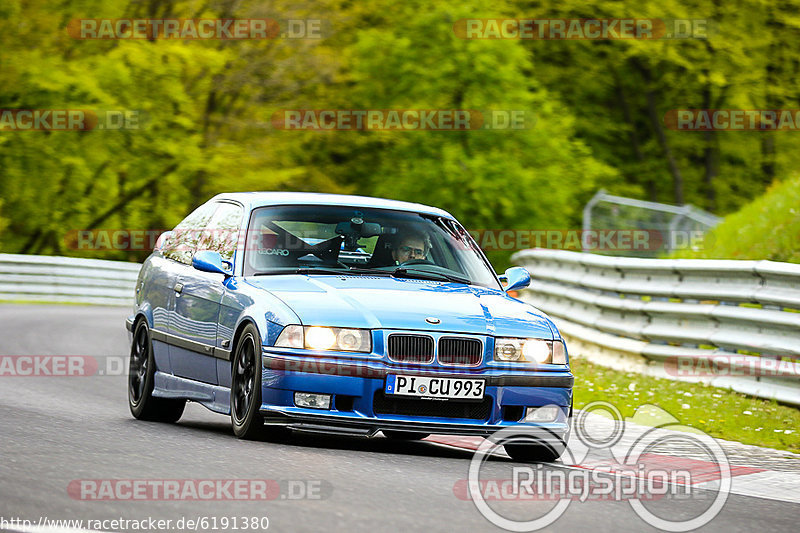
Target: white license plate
<point x="433" y="387"/>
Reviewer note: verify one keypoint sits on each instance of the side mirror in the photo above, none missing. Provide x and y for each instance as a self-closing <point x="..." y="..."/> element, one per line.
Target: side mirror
<point x="517" y="277"/>
<point x="209" y="261"/>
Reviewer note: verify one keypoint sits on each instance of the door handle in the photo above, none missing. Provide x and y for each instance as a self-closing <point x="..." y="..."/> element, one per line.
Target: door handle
<point x="179" y="287"/>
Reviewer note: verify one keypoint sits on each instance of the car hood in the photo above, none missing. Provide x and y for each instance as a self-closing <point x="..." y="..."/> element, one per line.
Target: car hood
<point x="392" y="303"/>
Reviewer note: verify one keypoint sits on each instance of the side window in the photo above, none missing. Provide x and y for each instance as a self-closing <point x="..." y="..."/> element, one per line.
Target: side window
<point x="181" y="246"/>
<point x="222" y="231"/>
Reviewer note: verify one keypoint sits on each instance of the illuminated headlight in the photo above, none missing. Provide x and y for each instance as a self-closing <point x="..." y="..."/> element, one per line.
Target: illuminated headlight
<point x="319" y="338"/>
<point x="325" y="338"/>
<point x="537" y="351"/>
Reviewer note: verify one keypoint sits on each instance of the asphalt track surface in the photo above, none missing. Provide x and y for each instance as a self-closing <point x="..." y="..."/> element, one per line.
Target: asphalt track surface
<point x="56" y="430"/>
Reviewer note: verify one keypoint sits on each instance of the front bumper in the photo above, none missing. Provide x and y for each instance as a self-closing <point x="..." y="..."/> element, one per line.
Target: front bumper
<point x="357" y="389"/>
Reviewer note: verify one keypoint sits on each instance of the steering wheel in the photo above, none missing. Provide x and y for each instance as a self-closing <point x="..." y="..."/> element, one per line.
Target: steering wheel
<point x="417" y="262"/>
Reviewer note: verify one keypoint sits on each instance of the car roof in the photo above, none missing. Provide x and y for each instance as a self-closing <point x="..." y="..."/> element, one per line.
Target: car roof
<point x="267" y="198"/>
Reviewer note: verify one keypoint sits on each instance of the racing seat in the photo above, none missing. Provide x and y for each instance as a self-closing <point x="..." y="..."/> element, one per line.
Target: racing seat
<point x="268" y="248"/>
<point x="382" y="255"/>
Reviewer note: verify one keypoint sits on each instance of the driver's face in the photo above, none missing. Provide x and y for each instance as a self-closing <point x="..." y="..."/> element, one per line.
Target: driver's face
<point x="408" y="249"/>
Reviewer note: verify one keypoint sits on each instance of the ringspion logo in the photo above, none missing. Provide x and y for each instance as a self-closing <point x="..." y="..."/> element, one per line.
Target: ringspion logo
<point x="615" y="466"/>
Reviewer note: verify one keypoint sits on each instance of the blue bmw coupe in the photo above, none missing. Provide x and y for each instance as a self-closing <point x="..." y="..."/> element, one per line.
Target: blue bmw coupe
<point x="345" y="314"/>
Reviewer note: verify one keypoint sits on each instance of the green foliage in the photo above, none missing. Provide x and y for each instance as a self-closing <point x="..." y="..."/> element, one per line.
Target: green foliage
<point x="206" y="109"/>
<point x="718" y="412"/>
<point x="488" y="179"/>
<point x="767" y="228"/>
<point x="624" y="88"/>
<point x="3" y="223"/>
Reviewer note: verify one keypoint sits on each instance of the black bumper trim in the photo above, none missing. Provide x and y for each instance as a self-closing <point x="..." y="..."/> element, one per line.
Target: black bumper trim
<point x="363" y="371"/>
<point x="370" y="426"/>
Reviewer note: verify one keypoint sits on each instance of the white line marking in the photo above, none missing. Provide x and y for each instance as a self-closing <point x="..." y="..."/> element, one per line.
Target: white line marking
<point x="770" y="485"/>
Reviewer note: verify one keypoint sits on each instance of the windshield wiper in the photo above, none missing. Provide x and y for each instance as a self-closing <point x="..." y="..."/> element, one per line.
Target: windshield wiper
<point x="400" y="272"/>
<point x="286" y="271"/>
<point x="317" y="270"/>
<point x="351" y="270"/>
<point x="371" y="271"/>
<point x="322" y="270"/>
<point x="416" y="273"/>
<point x="273" y="272"/>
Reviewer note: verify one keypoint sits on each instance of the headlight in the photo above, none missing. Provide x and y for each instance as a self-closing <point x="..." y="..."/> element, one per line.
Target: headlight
<point x="290" y="337"/>
<point x="325" y="338"/>
<point x="536" y="351"/>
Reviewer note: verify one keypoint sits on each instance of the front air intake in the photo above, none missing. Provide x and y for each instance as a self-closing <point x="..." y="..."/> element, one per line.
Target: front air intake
<point x="406" y="348"/>
<point x="460" y="351"/>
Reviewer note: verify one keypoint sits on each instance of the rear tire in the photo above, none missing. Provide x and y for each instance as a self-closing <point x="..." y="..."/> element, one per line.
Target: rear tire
<point x="141" y="379"/>
<point x="404" y="435"/>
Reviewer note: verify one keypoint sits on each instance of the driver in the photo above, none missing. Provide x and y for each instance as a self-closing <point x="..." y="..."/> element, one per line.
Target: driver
<point x="410" y="247"/>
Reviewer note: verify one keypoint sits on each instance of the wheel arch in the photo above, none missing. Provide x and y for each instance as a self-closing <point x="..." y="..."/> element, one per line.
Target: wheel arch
<point x="143" y="311"/>
<point x="243" y="323"/>
<point x="138" y="317"/>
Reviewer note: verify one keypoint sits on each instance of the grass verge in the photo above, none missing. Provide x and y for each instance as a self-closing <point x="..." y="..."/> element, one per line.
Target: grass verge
<point x="766" y="228"/>
<point x="717" y="412"/>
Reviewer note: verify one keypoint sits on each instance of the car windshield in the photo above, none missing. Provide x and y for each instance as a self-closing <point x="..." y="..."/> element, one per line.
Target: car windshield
<point x="362" y="241"/>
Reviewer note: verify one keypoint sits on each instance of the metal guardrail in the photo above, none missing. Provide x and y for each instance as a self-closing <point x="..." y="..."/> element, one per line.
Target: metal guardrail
<point x="641" y="314"/>
<point x="44" y="278"/>
<point x="676" y="223"/>
<point x="737" y="321"/>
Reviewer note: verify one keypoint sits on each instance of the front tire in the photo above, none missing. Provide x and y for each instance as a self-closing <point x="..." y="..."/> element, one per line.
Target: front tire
<point x="246" y="420"/>
<point x="141" y="379"/>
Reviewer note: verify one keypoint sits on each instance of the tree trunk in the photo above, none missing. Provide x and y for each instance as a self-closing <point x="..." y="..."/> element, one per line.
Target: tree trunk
<point x="658" y="127"/>
<point x="622" y="100"/>
<point x="130" y="196"/>
<point x="709" y="155"/>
